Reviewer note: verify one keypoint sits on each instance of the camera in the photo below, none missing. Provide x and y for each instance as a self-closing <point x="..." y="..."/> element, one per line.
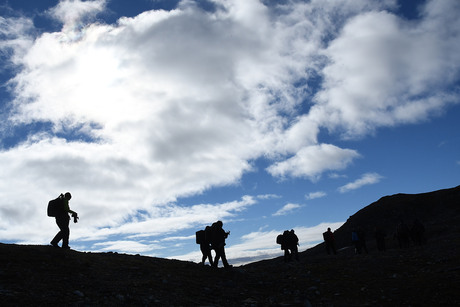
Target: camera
<point x="75" y="217"/>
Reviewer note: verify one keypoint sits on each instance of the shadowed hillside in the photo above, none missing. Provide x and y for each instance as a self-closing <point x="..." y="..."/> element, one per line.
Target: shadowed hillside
<point x="415" y="276"/>
<point x="439" y="212"/>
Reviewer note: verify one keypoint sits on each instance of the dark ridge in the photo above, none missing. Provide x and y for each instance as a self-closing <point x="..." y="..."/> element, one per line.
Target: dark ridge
<point x="427" y="275"/>
<point x="438" y="211"/>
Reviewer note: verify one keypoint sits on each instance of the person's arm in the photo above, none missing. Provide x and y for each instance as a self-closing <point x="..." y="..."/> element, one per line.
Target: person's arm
<point x="67" y="208"/>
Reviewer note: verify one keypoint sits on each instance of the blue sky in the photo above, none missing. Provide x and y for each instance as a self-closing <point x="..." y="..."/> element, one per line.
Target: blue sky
<point x="161" y="117"/>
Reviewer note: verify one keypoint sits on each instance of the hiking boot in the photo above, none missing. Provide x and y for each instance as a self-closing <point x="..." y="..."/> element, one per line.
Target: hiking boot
<point x="54" y="245"/>
<point x="66" y="247"/>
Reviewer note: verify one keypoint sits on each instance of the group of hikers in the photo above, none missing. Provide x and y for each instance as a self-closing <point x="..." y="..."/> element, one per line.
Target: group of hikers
<point x="289" y="242"/>
<point x="213" y="238"/>
<point x="404" y="234"/>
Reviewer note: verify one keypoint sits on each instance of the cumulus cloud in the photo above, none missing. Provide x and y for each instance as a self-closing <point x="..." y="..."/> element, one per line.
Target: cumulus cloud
<point x="287" y="209"/>
<point x="366" y="179"/>
<point x="312" y="161"/>
<point x="383" y="70"/>
<point x="314" y="195"/>
<point x="74" y="13"/>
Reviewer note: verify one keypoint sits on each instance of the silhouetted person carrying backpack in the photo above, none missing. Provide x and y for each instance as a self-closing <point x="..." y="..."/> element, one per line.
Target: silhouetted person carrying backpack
<point x="403" y="234"/>
<point x="218" y="243"/>
<point x="355" y="241"/>
<point x="59" y="208"/>
<point x="380" y="235"/>
<point x="328" y="237"/>
<point x="362" y="239"/>
<point x="292" y="243"/>
<point x="203" y="238"/>
<point x="418" y="233"/>
<point x="283" y="240"/>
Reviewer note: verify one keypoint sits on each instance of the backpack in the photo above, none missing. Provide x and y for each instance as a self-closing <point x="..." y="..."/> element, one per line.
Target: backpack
<point x="280" y="239"/>
<point x="209" y="234"/>
<point x="200" y="237"/>
<point x="56" y="206"/>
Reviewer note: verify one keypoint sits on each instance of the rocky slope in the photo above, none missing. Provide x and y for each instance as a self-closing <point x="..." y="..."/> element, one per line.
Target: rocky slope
<point x="416" y="276"/>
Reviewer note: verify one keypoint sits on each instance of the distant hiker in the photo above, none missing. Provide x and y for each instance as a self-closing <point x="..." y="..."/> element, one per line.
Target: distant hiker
<point x="402" y="234"/>
<point x="380" y="235"/>
<point x="218" y="236"/>
<point x="418" y="233"/>
<point x="282" y="240"/>
<point x="329" y="241"/>
<point x="59" y="208"/>
<point x="362" y="239"/>
<point x="205" y="247"/>
<point x="289" y="242"/>
<point x="292" y="243"/>
<point x="355" y="241"/>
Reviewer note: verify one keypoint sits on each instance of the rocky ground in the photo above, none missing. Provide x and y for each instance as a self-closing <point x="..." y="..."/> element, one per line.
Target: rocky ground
<point x="44" y="276"/>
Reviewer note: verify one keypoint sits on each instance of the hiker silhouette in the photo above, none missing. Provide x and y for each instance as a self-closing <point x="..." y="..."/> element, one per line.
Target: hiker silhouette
<point x="380" y="235"/>
<point x="289" y="242"/>
<point x="403" y="234"/>
<point x="218" y="236"/>
<point x="329" y="242"/>
<point x="293" y="242"/>
<point x="418" y="233"/>
<point x="358" y="238"/>
<point x="203" y="238"/>
<point x="362" y="239"/>
<point x="62" y="220"/>
<point x="282" y="239"/>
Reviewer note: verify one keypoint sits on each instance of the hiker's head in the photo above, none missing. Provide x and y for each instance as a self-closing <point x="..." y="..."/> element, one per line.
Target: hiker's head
<point x="67" y="196"/>
<point x="219" y="223"/>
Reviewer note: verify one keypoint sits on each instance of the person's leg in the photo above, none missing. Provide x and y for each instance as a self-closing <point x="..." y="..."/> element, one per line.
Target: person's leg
<point x="210" y="257"/>
<point x="65" y="231"/>
<point x="57" y="237"/>
<point x="62" y="231"/>
<point x="216" y="259"/>
<point x="295" y="252"/>
<point x="286" y="255"/>
<point x="203" y="253"/>
<point x="224" y="259"/>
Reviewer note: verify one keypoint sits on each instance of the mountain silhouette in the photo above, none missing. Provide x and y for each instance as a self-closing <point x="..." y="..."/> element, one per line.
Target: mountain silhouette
<point x="426" y="275"/>
<point x="439" y="211"/>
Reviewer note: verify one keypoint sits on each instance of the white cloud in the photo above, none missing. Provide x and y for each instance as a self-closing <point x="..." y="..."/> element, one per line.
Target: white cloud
<point x="268" y="196"/>
<point x="287" y="209"/>
<point x="385" y="71"/>
<point x="125" y="246"/>
<point x="72" y="12"/>
<point x="313" y="160"/>
<point x="314" y="195"/>
<point x="366" y="179"/>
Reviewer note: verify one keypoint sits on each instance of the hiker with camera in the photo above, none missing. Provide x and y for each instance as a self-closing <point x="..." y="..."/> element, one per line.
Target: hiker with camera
<point x="218" y="243"/>
<point x="59" y="208"/>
